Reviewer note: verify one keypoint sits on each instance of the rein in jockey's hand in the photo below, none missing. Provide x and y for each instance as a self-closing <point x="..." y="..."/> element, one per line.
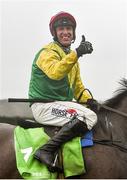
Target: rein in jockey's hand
<point x="92" y="104"/>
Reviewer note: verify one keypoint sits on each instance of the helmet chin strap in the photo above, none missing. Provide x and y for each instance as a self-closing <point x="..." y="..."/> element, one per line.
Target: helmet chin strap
<point x="72" y="41"/>
<point x="66" y="49"/>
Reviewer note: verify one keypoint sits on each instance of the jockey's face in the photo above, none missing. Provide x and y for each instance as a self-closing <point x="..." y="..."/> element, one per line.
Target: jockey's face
<point x="64" y="35"/>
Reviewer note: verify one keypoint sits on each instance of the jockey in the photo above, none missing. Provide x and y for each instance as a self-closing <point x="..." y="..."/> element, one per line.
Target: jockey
<point x="55" y="78"/>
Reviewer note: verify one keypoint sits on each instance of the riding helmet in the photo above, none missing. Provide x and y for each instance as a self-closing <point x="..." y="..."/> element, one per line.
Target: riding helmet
<point x="62" y="19"/>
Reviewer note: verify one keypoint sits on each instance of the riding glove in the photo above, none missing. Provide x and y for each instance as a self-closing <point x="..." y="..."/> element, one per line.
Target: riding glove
<point x="85" y="47"/>
<point x="92" y="104"/>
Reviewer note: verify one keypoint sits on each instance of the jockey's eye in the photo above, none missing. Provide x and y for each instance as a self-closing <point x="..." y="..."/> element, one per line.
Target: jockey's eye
<point x="68" y="27"/>
<point x="64" y="28"/>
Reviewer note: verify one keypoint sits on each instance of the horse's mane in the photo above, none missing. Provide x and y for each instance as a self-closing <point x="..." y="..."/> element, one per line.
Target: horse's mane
<point x="119" y="94"/>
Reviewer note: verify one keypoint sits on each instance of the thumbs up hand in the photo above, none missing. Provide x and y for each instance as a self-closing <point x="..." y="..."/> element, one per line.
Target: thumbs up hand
<point x="85" y="47"/>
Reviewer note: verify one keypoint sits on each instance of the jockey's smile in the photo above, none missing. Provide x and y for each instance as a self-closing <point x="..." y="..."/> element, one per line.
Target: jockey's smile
<point x="64" y="35"/>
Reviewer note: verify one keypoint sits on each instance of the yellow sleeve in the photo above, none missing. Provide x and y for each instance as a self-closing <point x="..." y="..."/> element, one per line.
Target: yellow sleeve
<point x="53" y="66"/>
<point x="79" y="90"/>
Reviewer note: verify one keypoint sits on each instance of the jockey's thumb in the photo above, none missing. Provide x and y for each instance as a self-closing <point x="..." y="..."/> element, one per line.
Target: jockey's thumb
<point x="83" y="38"/>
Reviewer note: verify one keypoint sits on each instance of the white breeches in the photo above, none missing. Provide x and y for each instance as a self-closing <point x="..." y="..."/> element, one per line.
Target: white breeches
<point x="60" y="112"/>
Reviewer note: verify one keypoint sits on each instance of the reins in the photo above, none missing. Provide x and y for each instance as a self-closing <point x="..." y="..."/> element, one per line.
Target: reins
<point x="104" y="106"/>
<point x="111" y="109"/>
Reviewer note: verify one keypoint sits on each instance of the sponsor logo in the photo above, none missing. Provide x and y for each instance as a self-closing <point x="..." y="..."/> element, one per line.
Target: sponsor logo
<point x="26" y="153"/>
<point x="59" y="112"/>
<point x="69" y="113"/>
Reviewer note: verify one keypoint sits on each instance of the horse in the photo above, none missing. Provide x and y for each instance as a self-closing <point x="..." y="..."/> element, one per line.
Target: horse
<point x="107" y="159"/>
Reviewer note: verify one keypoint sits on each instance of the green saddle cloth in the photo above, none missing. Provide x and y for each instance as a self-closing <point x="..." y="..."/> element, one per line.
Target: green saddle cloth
<point x="27" y="141"/>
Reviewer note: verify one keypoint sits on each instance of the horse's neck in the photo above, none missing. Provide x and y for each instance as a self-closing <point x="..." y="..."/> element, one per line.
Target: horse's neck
<point x="119" y="122"/>
<point x="111" y="126"/>
<point x="102" y="129"/>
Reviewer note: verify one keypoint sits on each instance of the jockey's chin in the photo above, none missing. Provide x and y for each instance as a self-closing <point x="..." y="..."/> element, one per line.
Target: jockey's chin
<point x="66" y="42"/>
